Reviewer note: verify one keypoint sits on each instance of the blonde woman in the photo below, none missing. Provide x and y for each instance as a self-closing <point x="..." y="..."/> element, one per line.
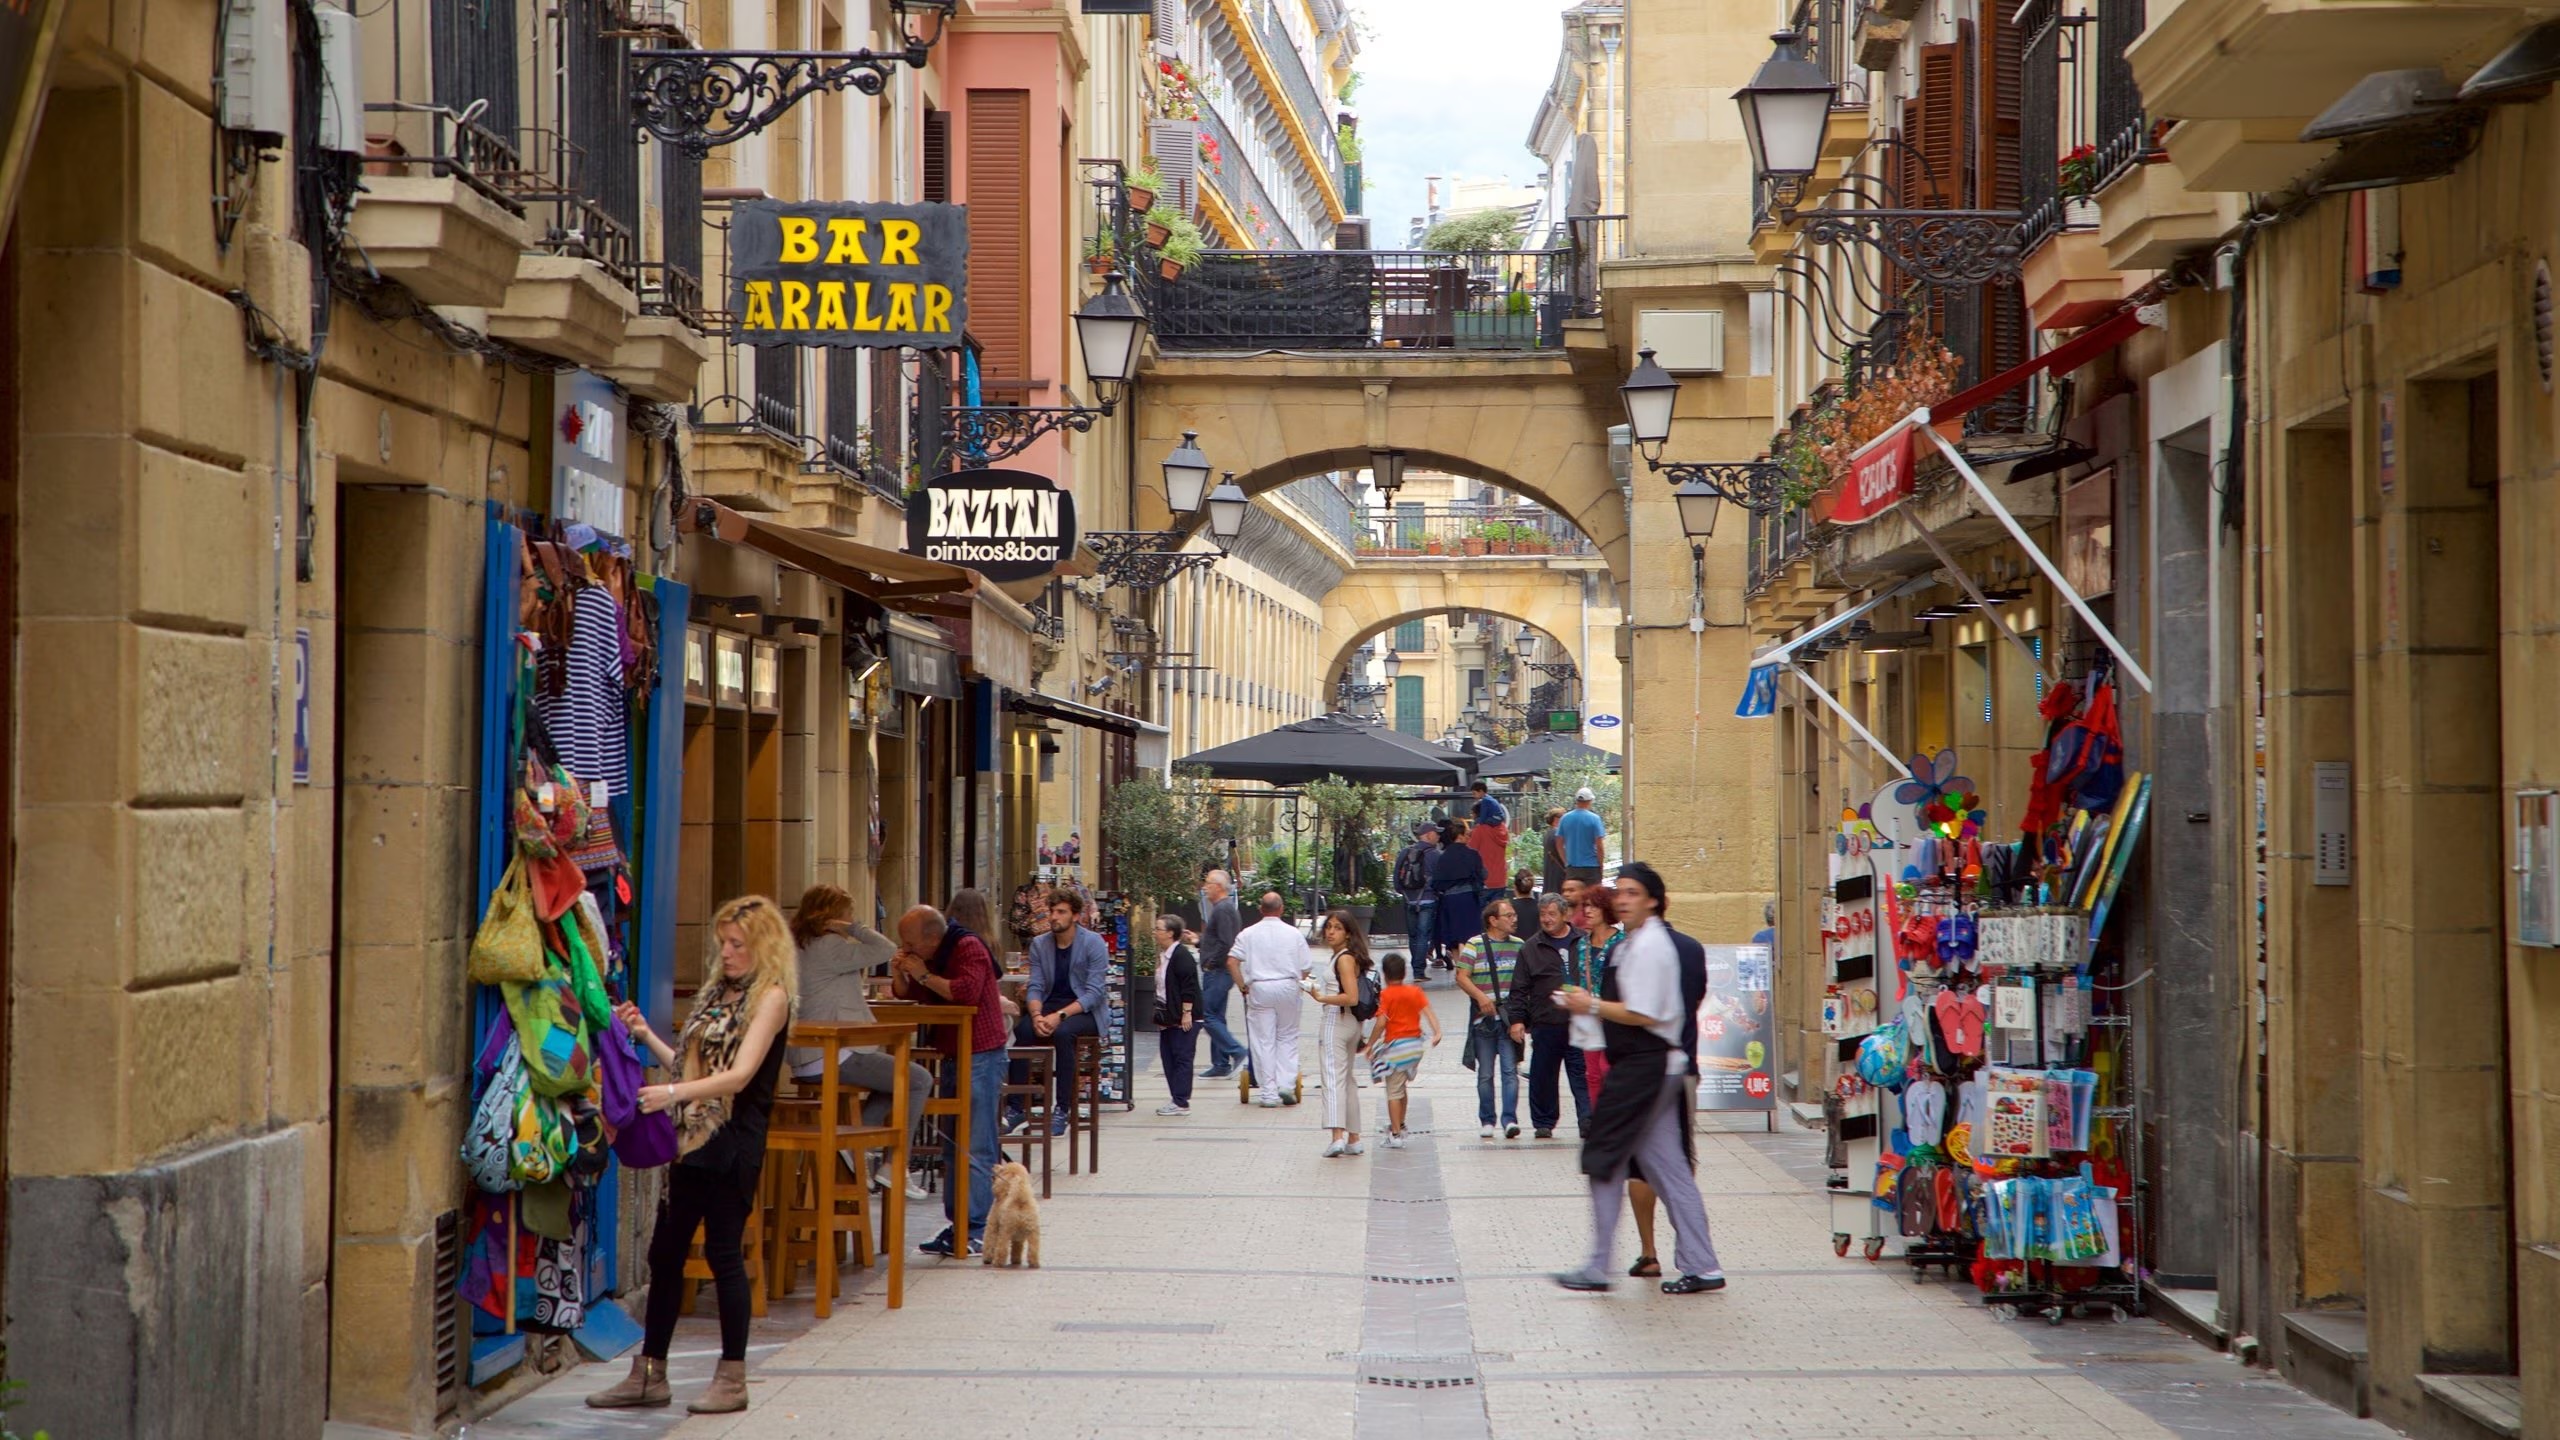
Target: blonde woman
<point x="726" y="1062"/>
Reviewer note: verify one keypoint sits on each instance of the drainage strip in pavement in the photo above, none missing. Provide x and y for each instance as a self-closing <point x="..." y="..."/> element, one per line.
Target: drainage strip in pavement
<point x="1418" y="1367"/>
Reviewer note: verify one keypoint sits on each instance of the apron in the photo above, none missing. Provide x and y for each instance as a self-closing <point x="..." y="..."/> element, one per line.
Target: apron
<point x="1631" y="1091"/>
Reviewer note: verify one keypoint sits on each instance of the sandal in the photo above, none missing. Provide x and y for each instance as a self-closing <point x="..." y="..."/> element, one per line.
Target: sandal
<point x="1645" y="1268"/>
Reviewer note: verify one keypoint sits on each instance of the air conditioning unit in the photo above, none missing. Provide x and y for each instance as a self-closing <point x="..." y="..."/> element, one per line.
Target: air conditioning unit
<point x="341" y="82"/>
<point x="257" y="68"/>
<point x="1683" y="341"/>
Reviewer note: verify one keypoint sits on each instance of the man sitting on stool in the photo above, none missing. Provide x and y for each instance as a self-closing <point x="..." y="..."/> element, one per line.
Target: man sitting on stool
<point x="1070" y="970"/>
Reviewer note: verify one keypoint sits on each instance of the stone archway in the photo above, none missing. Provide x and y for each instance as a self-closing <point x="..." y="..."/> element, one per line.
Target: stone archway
<point x="1525" y="423"/>
<point x="1376" y="598"/>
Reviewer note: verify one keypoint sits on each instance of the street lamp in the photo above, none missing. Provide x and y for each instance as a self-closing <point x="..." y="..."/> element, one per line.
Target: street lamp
<point x="1386" y="471"/>
<point x="1650" y="394"/>
<point x="1394" y="663"/>
<point x="1785" y="109"/>
<point x="1227" y="505"/>
<point x="1186" y="475"/>
<point x="1109" y="330"/>
<point x="1501" y="687"/>
<point x="1527" y="645"/>
<point x="1698" y="501"/>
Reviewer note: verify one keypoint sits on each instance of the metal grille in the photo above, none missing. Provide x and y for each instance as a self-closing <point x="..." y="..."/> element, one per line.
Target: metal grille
<point x="473" y="47"/>
<point x="448" y="1311"/>
<point x="1825" y="26"/>
<point x="597" y="210"/>
<point x="1302" y="93"/>
<point x="778" y="388"/>
<point x="2039" y="123"/>
<point x="1233" y="175"/>
<point x="844" y="411"/>
<point x="676" y="286"/>
<point x="2124" y="134"/>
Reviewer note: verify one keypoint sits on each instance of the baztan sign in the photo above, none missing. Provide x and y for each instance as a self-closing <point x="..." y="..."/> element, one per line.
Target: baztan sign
<point x="1004" y="524"/>
<point x="849" y="276"/>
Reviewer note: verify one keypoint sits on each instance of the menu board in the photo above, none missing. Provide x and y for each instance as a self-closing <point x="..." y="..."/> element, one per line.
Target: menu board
<point x="1737" y="1031"/>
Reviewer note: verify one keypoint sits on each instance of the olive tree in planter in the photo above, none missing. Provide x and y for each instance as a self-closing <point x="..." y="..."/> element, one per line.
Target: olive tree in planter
<point x="1159" y="834"/>
<point x="1354" y="818"/>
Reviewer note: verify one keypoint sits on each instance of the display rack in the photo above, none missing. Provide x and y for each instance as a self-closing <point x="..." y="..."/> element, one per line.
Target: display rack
<point x="1111" y="919"/>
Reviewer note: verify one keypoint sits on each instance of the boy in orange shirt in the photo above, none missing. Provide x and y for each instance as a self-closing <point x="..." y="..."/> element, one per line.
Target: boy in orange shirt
<point x="1395" y="1041"/>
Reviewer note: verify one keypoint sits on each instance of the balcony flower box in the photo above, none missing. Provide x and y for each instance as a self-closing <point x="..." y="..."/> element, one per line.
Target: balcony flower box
<point x="446" y="242"/>
<point x="565" y="306"/>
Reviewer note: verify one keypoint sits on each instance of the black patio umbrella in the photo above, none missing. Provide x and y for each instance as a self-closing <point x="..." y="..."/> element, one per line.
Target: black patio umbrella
<point x="1465" y="760"/>
<point x="1538" y="754"/>
<point x="1326" y="745"/>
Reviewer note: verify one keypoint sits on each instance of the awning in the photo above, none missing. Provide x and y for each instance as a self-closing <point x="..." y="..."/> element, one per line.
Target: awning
<point x="921" y="660"/>
<point x="1845" y="617"/>
<point x="890" y="578"/>
<point x="2062" y="359"/>
<point x="996" y="636"/>
<point x="1154" y="741"/>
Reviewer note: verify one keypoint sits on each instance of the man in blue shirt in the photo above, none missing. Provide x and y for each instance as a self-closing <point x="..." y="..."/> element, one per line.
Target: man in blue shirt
<point x="1070" y="980"/>
<point x="1585" y="837"/>
<point x="1488" y="810"/>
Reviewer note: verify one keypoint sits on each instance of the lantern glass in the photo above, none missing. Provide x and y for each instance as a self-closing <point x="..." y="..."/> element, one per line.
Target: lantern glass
<point x="1109" y="330"/>
<point x="1186" y="475"/>
<point x="1227" y="506"/>
<point x="1394" y="663"/>
<point x="1650" y="394"/>
<point x="1698" y="503"/>
<point x="1785" y="110"/>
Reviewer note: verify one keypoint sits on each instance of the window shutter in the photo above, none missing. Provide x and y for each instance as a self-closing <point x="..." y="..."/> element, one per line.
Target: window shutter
<point x="937" y="157"/>
<point x="1938" y="130"/>
<point x="999" y="199"/>
<point x="888" y="410"/>
<point x="1175" y="147"/>
<point x="1171" y="22"/>
<point x="1998" y="91"/>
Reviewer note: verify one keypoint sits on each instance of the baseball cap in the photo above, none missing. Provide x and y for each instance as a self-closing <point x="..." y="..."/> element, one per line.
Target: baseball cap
<point x="1584" y="794"/>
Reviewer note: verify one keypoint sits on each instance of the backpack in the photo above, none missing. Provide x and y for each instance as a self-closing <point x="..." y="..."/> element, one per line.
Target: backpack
<point x="1366" y="1006"/>
<point x="1413" y="870"/>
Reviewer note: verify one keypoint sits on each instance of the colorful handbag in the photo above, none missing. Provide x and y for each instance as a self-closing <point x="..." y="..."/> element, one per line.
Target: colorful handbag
<point x="551" y="1031"/>
<point x="508" y="945"/>
<point x="488" y="1146"/>
<point x="641" y="1140"/>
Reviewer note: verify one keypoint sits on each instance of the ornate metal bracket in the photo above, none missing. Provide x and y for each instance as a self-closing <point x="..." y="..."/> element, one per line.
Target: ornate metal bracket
<point x="1552" y="669"/>
<point x="699" y="99"/>
<point x="1758" y="486"/>
<point x="1144" y="559"/>
<point x="988" y="433"/>
<point x="1944" y="248"/>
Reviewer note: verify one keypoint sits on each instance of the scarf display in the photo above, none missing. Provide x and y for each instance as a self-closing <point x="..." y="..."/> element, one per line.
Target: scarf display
<point x="709" y="1045"/>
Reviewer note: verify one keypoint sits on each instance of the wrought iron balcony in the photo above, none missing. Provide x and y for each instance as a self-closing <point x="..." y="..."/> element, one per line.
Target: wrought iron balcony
<point x="1411" y="531"/>
<point x="1371" y="299"/>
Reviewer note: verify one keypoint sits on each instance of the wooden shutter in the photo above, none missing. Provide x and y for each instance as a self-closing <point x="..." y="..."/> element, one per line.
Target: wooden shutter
<point x="888" y="411"/>
<point x="999" y="199"/>
<point x="937" y="157"/>
<point x="1934" y="125"/>
<point x="1997" y="90"/>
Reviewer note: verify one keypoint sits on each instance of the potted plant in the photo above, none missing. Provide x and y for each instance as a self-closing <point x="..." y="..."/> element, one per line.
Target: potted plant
<point x="2077" y="178"/>
<point x="1473" y="542"/>
<point x="1160" y="222"/>
<point x="1431" y="546"/>
<point x="1179" y="250"/>
<point x="1144" y="184"/>
<point x="1100" y="255"/>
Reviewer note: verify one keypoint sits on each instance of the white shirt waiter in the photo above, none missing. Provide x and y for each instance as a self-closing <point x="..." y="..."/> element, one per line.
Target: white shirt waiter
<point x="1271" y="963"/>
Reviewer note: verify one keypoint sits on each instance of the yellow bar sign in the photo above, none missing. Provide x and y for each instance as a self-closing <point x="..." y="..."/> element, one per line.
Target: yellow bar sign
<point x="848" y="275"/>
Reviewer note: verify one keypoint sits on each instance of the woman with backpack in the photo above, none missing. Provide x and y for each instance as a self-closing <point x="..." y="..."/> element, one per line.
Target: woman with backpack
<point x="1348" y="1006"/>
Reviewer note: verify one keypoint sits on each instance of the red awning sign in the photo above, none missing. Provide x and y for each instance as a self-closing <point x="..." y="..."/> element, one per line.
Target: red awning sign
<point x="1879" y="477"/>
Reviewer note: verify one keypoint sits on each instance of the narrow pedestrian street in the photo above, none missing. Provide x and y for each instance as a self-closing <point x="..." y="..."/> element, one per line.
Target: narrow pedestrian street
<point x="1220" y="1277"/>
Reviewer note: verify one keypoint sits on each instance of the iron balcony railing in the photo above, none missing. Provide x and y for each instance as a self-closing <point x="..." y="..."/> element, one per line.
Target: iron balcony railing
<point x="1466" y="532"/>
<point x="2124" y="132"/>
<point x="1324" y="506"/>
<point x="1232" y="173"/>
<point x="1829" y="29"/>
<point x="1369" y="299"/>
<point x="1303" y="96"/>
<point x="1591" y="240"/>
<point x="672" y="285"/>
<point x="470" y="121"/>
<point x="472" y="44"/>
<point x="777" y="402"/>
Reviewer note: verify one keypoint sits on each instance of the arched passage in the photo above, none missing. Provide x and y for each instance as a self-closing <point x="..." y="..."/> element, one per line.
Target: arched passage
<point x="1523" y="423"/>
<point x="1580" y="623"/>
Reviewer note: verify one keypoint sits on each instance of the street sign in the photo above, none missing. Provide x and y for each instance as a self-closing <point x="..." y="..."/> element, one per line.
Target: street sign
<point x="1604" y="722"/>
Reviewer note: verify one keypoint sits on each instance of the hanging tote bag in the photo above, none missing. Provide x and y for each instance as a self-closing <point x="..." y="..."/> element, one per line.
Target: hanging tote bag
<point x="551" y="1031"/>
<point x="508" y="946"/>
<point x="488" y="1146"/>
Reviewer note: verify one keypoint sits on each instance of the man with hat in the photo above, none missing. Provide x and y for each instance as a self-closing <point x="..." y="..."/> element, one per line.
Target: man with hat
<point x="1585" y="836"/>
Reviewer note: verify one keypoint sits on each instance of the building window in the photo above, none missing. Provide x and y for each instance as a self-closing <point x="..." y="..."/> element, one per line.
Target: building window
<point x="1409" y="704"/>
<point x="1409" y="637"/>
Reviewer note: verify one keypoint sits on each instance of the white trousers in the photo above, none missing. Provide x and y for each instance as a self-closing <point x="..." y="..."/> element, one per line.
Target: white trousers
<point x="1271" y="1035"/>
<point x="1338" y="1038"/>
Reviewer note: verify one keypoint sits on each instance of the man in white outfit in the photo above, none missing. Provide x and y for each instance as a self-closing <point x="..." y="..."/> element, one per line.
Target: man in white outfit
<point x="1270" y="961"/>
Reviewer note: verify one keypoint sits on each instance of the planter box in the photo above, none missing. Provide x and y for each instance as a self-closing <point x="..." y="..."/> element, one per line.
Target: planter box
<point x="447" y="243"/>
<point x="660" y="358"/>
<point x="565" y="306"/>
<point x="745" y="470"/>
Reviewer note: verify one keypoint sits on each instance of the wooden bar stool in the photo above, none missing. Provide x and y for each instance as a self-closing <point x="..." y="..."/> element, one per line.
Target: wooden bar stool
<point x="1036" y="1097"/>
<point x="812" y="1138"/>
<point x="1084" y="1118"/>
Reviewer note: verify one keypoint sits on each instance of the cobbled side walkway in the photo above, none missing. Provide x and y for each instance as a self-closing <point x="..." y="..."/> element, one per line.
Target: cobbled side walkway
<point x="1219" y="1277"/>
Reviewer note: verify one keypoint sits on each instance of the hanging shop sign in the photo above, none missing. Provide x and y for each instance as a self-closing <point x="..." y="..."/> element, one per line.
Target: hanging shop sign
<point x="586" y="457"/>
<point x="1737" y="1031"/>
<point x="1879" y="478"/>
<point x="919" y="668"/>
<point x="1759" y="694"/>
<point x="849" y="276"/>
<point x="1005" y="524"/>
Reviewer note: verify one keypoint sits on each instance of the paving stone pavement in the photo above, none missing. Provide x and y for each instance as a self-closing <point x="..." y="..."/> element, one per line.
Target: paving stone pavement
<point x="1219" y="1277"/>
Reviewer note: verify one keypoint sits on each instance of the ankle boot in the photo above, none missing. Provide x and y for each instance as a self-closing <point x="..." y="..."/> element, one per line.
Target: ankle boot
<point x="728" y="1390"/>
<point x="645" y="1387"/>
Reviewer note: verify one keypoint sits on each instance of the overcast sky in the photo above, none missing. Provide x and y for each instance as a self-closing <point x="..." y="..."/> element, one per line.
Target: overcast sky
<point x="1448" y="87"/>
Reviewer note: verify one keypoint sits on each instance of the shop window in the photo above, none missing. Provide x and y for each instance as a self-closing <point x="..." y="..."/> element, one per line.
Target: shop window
<point x="729" y="671"/>
<point x="764" y="685"/>
<point x="697" y="665"/>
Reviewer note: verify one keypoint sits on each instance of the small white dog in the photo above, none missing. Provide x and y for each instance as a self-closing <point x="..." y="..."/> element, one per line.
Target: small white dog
<point x="1013" y="1220"/>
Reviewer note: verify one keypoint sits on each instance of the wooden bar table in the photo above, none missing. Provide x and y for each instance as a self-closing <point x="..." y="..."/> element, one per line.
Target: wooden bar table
<point x="829" y="1133"/>
<point x="961" y="1021"/>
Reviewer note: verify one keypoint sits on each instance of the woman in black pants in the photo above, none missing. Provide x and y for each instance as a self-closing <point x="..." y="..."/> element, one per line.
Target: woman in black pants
<point x="727" y="1061"/>
<point x="1177" y="1011"/>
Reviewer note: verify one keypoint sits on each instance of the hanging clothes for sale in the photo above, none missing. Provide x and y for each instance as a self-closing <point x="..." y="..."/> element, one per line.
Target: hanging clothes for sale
<point x="588" y="714"/>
